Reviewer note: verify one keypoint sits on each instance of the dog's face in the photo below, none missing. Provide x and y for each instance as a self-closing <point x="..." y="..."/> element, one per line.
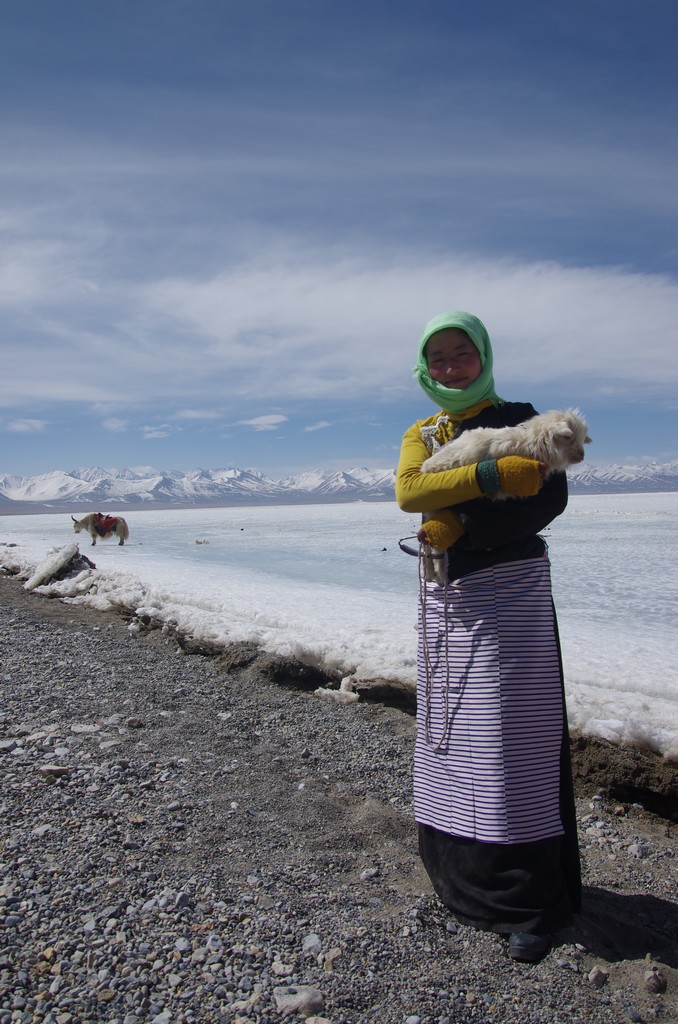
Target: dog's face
<point x="567" y="437"/>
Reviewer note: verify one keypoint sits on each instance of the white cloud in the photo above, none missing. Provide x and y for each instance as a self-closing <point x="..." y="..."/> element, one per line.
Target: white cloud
<point x="116" y="426"/>
<point x="336" y="327"/>
<point x="153" y="433"/>
<point x="197" y="414"/>
<point x="312" y="326"/>
<point x="26" y="426"/>
<point x="320" y="425"/>
<point x="271" y="422"/>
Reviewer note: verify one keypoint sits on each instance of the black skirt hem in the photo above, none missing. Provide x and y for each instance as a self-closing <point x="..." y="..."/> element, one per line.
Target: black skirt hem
<point x="502" y="888"/>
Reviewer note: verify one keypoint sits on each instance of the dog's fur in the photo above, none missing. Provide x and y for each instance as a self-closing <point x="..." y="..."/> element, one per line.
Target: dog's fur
<point x="556" y="438"/>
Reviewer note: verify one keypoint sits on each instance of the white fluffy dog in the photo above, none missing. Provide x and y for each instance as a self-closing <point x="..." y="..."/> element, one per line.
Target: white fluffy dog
<point x="556" y="438"/>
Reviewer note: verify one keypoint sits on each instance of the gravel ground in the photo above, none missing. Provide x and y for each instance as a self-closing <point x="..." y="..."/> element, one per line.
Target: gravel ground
<point x="189" y="839"/>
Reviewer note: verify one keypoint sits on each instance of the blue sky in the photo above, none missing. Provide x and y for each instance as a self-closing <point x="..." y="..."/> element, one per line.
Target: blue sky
<point x="224" y="224"/>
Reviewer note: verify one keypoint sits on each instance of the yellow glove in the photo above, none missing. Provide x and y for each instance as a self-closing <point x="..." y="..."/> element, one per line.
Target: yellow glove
<point x="441" y="530"/>
<point x="518" y="476"/>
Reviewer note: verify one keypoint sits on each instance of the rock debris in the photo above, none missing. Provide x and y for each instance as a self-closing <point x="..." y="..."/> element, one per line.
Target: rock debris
<point x="183" y="844"/>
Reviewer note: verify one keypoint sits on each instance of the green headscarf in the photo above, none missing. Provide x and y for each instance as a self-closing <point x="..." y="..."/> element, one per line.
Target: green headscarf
<point x="455" y="399"/>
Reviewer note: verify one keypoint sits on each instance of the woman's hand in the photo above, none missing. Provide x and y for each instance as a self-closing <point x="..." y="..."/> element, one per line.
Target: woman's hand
<point x="521" y="477"/>
<point x="440" y="530"/>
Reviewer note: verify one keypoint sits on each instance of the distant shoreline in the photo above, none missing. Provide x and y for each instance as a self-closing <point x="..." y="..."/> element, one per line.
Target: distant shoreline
<point x="77" y="507"/>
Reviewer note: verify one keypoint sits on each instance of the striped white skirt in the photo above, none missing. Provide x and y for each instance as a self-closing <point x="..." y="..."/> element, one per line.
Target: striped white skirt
<point x="490" y="706"/>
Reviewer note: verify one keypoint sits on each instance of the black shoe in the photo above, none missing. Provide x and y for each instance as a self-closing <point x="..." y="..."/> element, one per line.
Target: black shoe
<point x="528" y="947"/>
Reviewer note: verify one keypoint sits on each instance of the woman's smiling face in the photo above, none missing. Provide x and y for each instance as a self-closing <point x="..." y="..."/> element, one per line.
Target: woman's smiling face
<point x="453" y="360"/>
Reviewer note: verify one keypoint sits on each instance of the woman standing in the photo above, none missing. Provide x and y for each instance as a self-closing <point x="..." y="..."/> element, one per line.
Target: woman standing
<point x="492" y="777"/>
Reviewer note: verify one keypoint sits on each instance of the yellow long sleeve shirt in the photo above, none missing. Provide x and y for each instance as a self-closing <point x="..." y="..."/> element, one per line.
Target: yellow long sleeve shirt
<point x="428" y="492"/>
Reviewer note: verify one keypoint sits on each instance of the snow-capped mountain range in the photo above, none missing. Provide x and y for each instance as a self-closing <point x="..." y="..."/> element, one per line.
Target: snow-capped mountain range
<point x="104" y="488"/>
